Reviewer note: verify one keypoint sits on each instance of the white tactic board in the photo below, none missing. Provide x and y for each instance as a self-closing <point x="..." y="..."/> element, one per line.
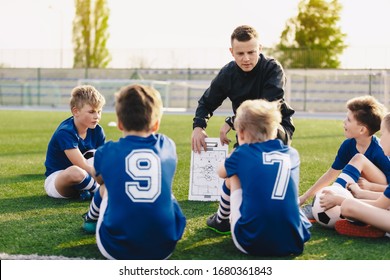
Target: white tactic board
<point x="204" y="180"/>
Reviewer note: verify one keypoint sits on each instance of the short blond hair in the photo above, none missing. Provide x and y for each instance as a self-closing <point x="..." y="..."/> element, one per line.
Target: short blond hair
<point x="86" y="94"/>
<point x="260" y="118"/>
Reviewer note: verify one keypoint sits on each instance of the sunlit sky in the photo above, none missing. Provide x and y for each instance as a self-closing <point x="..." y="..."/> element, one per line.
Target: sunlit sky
<point x="187" y="25"/>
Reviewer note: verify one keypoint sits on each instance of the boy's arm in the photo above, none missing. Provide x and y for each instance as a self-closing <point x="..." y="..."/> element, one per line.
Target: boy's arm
<point x="370" y="186"/>
<point x="381" y="202"/>
<point x="359" y="193"/>
<point x="76" y="158"/>
<point x="325" y="180"/>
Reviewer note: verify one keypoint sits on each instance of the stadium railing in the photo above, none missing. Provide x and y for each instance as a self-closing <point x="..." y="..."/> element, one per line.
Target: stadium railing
<point x="307" y="90"/>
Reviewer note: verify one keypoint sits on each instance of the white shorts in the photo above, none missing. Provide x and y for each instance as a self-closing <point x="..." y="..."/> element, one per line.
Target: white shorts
<point x="235" y="214"/>
<point x="50" y="187"/>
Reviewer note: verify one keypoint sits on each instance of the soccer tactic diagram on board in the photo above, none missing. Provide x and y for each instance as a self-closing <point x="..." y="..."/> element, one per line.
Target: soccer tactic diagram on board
<point x="204" y="180"/>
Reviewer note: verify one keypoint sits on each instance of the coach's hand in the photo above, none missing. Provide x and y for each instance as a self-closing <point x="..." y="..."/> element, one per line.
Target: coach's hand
<point x="225" y="128"/>
<point x="199" y="136"/>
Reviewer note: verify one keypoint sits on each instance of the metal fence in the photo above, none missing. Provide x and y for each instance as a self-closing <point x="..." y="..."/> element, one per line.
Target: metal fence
<point x="306" y="90"/>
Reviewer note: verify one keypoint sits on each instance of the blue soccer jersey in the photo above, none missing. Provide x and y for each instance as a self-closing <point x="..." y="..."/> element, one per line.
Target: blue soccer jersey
<point x="271" y="223"/>
<point x="142" y="219"/>
<point x="66" y="137"/>
<point x="387" y="192"/>
<point x="374" y="154"/>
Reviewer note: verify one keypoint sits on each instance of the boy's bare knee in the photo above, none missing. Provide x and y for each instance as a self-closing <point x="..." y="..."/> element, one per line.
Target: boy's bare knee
<point x="75" y="174"/>
<point x="358" y="161"/>
<point x="348" y="208"/>
<point x="227" y="183"/>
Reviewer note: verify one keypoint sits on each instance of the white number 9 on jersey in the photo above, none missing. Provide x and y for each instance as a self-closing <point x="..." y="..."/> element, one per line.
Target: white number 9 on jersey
<point x="144" y="168"/>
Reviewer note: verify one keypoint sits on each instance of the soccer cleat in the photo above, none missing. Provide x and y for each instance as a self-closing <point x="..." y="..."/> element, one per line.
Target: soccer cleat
<point x="89" y="225"/>
<point x="222" y="227"/>
<point x="86" y="195"/>
<point x="307" y="210"/>
<point x="345" y="227"/>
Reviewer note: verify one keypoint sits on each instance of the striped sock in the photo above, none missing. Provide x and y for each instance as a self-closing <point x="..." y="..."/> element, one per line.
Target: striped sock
<point x="224" y="204"/>
<point x="350" y="174"/>
<point x="94" y="207"/>
<point x="88" y="184"/>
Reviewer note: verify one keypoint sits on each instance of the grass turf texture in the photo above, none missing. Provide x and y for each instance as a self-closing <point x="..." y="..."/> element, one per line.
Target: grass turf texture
<point x="33" y="223"/>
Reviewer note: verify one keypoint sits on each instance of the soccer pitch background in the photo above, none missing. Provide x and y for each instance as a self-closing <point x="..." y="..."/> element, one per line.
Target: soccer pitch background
<point x="31" y="223"/>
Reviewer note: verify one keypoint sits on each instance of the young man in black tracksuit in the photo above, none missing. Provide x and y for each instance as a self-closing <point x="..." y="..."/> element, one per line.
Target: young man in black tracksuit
<point x="250" y="76"/>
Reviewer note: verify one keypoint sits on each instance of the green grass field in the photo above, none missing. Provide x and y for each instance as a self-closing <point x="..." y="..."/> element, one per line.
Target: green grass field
<point x="33" y="223"/>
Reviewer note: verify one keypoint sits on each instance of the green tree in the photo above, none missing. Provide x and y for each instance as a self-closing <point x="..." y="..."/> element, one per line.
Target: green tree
<point x="313" y="38"/>
<point x="90" y="34"/>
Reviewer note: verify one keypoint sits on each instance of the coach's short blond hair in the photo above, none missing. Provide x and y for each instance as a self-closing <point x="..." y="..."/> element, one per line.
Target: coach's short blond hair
<point x="86" y="94"/>
<point x="260" y="118"/>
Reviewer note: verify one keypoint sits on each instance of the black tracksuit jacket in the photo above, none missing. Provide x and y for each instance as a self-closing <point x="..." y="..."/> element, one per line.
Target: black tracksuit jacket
<point x="265" y="81"/>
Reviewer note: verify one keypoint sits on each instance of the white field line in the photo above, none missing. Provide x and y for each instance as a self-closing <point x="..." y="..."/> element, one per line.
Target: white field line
<point x="4" y="256"/>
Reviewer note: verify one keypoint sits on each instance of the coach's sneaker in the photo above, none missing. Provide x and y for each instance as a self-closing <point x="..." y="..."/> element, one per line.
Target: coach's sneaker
<point x="222" y="227"/>
<point x="345" y="227"/>
<point x="89" y="225"/>
<point x="307" y="210"/>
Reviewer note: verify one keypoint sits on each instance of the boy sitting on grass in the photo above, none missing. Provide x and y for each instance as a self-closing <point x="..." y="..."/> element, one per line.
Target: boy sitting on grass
<point x="261" y="187"/>
<point x="363" y="120"/>
<point x="68" y="174"/>
<point x="372" y="213"/>
<point x="134" y="214"/>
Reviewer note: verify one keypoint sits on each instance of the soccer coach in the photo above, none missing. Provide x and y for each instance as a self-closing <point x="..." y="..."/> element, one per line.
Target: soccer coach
<point x="250" y="76"/>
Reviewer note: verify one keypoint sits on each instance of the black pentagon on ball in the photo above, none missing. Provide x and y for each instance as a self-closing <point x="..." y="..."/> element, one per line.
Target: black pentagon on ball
<point x="89" y="154"/>
<point x="323" y="218"/>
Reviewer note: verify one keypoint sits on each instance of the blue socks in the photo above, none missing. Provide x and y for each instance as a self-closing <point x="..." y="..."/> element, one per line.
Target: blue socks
<point x="88" y="184"/>
<point x="349" y="175"/>
<point x="224" y="204"/>
<point x="94" y="208"/>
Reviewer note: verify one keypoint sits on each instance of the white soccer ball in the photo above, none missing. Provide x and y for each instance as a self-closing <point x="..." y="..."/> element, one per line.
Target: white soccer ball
<point x="329" y="217"/>
<point x="89" y="156"/>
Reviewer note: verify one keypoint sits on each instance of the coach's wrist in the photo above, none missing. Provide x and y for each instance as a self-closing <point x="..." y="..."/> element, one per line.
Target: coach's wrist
<point x="230" y="122"/>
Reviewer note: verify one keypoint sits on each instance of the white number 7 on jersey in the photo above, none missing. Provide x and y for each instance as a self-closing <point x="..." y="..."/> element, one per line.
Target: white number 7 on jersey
<point x="284" y="171"/>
